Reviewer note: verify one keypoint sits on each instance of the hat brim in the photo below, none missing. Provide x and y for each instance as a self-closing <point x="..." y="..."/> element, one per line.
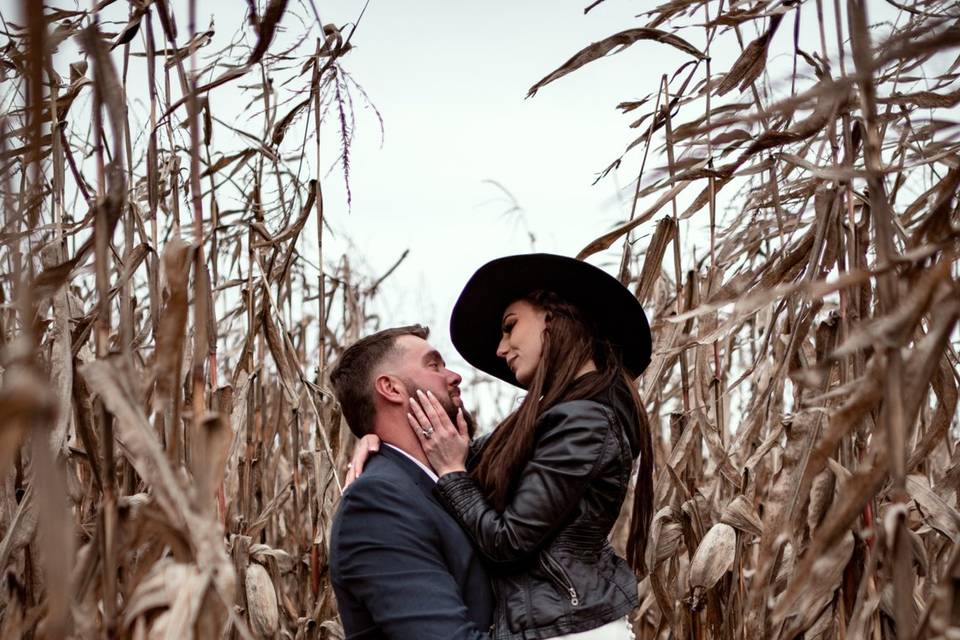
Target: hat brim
<point x="475" y="324"/>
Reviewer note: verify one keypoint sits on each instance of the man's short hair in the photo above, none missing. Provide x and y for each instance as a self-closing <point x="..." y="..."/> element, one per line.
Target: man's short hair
<point x="352" y="376"/>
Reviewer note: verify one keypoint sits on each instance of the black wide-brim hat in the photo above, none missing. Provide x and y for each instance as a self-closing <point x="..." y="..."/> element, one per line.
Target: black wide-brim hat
<point x="476" y="321"/>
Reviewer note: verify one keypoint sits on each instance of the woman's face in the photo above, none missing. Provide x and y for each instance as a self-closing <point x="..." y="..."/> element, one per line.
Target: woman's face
<point x="521" y="339"/>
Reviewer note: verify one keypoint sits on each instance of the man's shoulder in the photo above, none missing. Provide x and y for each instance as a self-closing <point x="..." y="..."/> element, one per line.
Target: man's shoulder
<point x="382" y="487"/>
<point x="383" y="497"/>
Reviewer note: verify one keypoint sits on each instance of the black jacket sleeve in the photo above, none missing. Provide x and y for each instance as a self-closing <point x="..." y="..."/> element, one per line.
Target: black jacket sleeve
<point x="474" y="451"/>
<point x="573" y="437"/>
<point x="390" y="560"/>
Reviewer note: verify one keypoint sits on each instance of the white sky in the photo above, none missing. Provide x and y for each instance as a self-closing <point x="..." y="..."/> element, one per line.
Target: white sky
<point x="450" y="80"/>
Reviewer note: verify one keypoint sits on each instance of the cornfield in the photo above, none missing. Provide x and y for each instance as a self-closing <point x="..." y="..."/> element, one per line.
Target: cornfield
<point x="171" y="456"/>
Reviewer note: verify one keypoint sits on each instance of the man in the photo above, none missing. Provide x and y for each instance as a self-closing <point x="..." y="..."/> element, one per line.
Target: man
<point x="401" y="566"/>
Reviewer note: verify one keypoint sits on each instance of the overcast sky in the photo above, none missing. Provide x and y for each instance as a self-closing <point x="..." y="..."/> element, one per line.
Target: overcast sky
<point x="449" y="80"/>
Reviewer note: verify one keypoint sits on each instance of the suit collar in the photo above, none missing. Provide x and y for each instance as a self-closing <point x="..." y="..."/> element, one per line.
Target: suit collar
<point x="410" y="468"/>
<point x="420" y="465"/>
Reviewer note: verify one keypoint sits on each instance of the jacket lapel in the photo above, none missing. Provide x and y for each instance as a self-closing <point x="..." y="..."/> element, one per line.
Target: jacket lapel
<point x="424" y="482"/>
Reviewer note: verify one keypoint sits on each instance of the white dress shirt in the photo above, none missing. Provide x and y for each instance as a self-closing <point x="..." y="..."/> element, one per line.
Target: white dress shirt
<point x="427" y="470"/>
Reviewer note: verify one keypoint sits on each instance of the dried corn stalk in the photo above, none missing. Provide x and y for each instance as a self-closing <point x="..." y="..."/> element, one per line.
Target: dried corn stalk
<point x="171" y="457"/>
<point x="803" y="283"/>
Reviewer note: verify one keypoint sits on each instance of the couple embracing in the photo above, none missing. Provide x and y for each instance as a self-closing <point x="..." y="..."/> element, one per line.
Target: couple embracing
<point x="443" y="536"/>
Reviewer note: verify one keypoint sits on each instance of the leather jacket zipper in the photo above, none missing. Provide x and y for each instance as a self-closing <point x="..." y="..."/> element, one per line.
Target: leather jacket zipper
<point x="554" y="568"/>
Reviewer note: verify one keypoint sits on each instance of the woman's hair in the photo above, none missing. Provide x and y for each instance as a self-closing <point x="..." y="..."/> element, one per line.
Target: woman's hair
<point x="569" y="342"/>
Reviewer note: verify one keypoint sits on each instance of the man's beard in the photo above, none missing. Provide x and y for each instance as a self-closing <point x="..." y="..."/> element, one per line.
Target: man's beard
<point x="471" y="423"/>
<point x="449" y="407"/>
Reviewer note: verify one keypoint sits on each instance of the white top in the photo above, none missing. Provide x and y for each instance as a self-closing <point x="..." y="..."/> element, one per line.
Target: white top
<point x="427" y="470"/>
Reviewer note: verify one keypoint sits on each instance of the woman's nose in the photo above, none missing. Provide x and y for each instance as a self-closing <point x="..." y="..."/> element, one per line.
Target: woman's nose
<point x="502" y="347"/>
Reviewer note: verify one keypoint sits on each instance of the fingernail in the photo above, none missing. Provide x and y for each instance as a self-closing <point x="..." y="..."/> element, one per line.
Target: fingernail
<point x="419" y="392"/>
<point x="429" y="393"/>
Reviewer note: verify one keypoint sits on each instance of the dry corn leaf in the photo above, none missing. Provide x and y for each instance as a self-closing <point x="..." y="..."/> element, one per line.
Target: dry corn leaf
<point x="177" y="258"/>
<point x="266" y="29"/>
<point x="25" y="399"/>
<point x="20" y="529"/>
<point x="261" y="553"/>
<point x="665" y="537"/>
<point x="818" y="587"/>
<point x="751" y="62"/>
<point x="740" y="514"/>
<point x="614" y="44"/>
<point x="936" y="511"/>
<point x="607" y="239"/>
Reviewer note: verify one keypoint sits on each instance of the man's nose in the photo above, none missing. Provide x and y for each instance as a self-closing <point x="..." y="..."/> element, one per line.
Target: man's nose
<point x="454" y="377"/>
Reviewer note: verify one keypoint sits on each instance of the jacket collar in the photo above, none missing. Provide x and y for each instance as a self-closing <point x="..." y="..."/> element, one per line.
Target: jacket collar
<point x="410" y="468"/>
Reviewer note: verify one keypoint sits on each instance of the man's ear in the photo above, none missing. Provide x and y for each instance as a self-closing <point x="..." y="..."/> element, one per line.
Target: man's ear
<point x="390" y="388"/>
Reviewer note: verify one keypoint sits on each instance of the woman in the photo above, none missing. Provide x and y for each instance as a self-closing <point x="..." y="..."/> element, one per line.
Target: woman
<point x="540" y="495"/>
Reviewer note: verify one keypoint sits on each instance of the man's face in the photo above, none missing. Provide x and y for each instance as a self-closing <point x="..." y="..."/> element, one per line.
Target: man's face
<point x="420" y="366"/>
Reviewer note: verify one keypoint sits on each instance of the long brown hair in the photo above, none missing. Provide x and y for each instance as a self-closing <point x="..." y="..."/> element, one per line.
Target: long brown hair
<point x="569" y="342"/>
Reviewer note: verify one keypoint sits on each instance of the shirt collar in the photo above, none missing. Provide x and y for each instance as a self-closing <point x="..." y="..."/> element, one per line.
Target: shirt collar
<point x="427" y="470"/>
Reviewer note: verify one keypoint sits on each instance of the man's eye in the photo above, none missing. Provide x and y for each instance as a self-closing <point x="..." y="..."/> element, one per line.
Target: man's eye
<point x="435" y="365"/>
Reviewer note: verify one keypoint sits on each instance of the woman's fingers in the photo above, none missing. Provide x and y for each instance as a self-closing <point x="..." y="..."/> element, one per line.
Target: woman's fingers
<point x="372" y="442"/>
<point x="427" y="402"/>
<point x="444" y="444"/>
<point x="366" y="447"/>
<point x="418" y="413"/>
<point x="444" y="419"/>
<point x="417" y="429"/>
<point x="461" y="423"/>
<point x="436" y="413"/>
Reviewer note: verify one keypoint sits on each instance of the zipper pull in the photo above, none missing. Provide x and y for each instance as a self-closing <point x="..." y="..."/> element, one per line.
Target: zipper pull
<point x="574" y="600"/>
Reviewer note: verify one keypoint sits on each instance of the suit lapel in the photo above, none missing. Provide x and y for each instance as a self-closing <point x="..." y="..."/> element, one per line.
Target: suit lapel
<point x="424" y="482"/>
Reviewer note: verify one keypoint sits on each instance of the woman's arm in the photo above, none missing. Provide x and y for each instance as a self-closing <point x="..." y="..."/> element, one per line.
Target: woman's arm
<point x="575" y="436"/>
<point x="473" y="453"/>
<point x="367" y="446"/>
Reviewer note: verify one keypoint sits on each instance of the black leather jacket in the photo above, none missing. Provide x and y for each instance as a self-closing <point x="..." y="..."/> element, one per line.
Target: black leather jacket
<point x="554" y="571"/>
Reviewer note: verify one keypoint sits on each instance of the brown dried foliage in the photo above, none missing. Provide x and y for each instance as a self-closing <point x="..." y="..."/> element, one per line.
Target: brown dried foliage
<point x="805" y="364"/>
<point x="171" y="458"/>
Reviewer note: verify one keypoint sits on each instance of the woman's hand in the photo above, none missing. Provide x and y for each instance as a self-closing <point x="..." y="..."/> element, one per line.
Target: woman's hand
<point x="367" y="446"/>
<point x="445" y="444"/>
